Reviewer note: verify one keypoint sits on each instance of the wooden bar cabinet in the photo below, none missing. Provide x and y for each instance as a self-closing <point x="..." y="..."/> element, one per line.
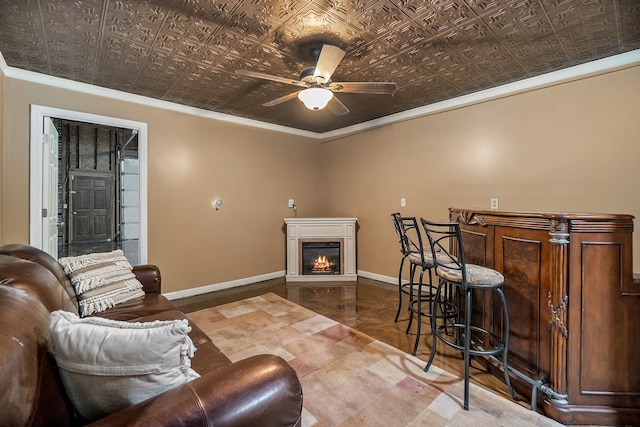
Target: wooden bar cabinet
<point x="573" y="305"/>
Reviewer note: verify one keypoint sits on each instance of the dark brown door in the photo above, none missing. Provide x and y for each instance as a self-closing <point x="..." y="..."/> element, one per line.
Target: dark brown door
<point x="91" y="207"/>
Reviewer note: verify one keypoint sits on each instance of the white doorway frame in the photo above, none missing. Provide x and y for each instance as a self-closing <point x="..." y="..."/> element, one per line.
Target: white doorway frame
<point x="38" y="112"/>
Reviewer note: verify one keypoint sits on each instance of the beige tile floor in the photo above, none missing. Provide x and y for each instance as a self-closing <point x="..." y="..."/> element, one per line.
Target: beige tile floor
<point x="366" y="305"/>
<point x="349" y="378"/>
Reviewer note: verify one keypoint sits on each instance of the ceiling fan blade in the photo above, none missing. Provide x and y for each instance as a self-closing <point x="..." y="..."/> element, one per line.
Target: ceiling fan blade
<point x="380" y="88"/>
<point x="328" y="61"/>
<point x="337" y="107"/>
<point x="264" y="76"/>
<point x="281" y="99"/>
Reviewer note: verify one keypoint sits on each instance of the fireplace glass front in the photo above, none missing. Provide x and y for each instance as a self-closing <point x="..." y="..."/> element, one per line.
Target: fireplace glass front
<point x="320" y="258"/>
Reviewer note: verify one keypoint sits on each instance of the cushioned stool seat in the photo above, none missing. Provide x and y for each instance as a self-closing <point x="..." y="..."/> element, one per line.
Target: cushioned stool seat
<point x="477" y="275"/>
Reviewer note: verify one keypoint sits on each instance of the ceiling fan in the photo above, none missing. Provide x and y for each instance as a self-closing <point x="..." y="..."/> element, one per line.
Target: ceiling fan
<point x="319" y="88"/>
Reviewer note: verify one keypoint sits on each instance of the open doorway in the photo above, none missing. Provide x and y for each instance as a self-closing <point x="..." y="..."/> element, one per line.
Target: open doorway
<point x="98" y="181"/>
<point x="88" y="184"/>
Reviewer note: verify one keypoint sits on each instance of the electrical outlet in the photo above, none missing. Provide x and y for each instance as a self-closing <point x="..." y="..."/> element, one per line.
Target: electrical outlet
<point x="403" y="202"/>
<point x="292" y="203"/>
<point x="494" y="204"/>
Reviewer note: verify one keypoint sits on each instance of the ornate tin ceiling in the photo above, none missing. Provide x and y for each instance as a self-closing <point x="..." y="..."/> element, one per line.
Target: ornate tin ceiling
<point x="187" y="51"/>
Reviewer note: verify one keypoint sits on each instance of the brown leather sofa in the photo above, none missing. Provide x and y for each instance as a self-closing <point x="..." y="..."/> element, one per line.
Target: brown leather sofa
<point x="259" y="391"/>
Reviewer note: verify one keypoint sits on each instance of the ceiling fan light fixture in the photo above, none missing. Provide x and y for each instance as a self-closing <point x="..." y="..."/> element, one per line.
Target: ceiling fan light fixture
<point x="315" y="98"/>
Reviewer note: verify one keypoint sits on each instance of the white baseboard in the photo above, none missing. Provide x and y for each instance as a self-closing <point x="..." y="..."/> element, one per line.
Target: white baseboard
<point x="255" y="279"/>
<point x="378" y="277"/>
<point x="223" y="285"/>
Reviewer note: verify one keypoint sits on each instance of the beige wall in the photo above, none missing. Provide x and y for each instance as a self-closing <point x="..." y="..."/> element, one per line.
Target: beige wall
<point x="191" y="161"/>
<point x="2" y="130"/>
<point x="573" y="147"/>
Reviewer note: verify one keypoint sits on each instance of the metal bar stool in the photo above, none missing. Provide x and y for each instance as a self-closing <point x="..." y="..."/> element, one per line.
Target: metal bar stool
<point x="446" y="238"/>
<point x="405" y="250"/>
<point x="419" y="292"/>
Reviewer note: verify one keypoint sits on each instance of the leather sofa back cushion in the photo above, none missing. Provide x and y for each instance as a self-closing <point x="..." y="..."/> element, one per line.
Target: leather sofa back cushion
<point x="26" y="366"/>
<point x="102" y="280"/>
<point x="36" y="280"/>
<point x="108" y="365"/>
<point x="29" y="253"/>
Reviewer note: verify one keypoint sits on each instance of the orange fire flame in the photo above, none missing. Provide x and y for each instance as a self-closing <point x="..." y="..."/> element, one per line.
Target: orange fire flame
<point x="321" y="264"/>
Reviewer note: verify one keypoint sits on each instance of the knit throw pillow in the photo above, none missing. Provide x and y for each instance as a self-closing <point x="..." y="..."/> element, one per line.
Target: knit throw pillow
<point x="101" y="280"/>
<point x="108" y="365"/>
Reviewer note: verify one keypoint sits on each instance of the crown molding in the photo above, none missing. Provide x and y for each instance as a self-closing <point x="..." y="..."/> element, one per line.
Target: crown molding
<point x="600" y="66"/>
<point x="612" y="63"/>
<point x="44" y="79"/>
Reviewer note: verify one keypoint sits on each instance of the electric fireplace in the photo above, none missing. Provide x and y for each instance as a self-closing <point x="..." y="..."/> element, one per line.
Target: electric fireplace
<point x="320" y="257"/>
<point x="321" y="249"/>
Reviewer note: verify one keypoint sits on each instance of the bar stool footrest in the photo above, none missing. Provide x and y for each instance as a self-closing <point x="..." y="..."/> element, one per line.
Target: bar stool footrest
<point x="498" y="348"/>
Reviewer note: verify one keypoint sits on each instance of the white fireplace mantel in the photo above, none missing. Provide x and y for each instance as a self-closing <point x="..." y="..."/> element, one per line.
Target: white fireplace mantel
<point x="309" y="229"/>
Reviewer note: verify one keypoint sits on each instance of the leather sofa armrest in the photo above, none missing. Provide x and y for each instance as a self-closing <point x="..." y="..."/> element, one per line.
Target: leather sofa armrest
<point x="149" y="276"/>
<point x="262" y="390"/>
